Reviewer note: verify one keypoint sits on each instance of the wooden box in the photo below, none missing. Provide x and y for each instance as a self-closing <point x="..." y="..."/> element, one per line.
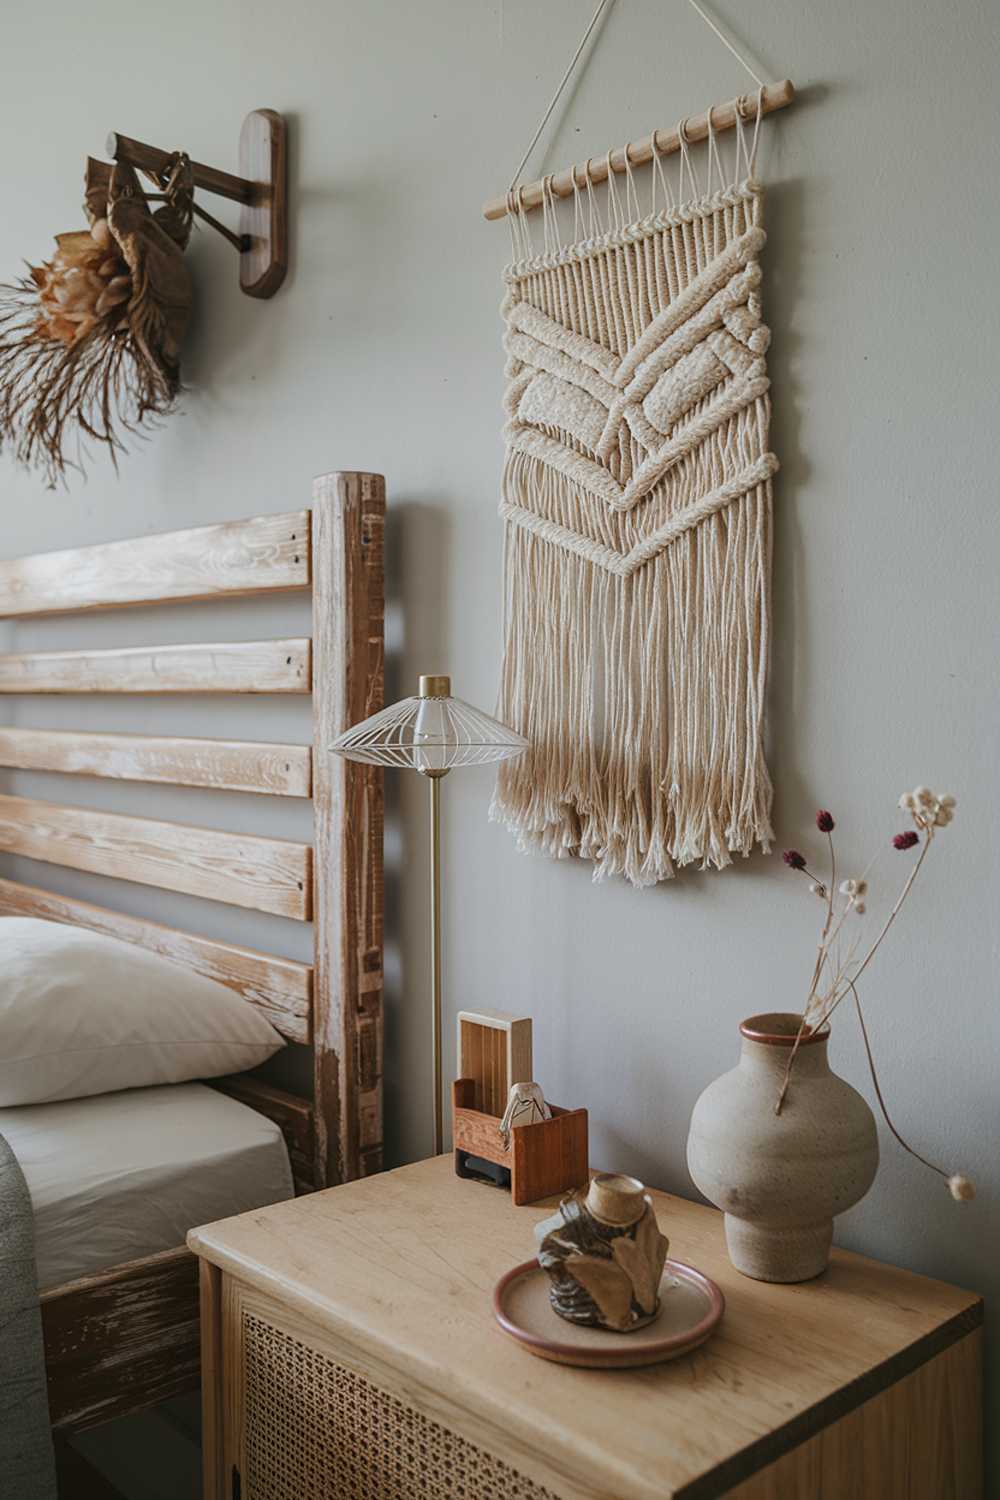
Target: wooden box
<point x="547" y="1157"/>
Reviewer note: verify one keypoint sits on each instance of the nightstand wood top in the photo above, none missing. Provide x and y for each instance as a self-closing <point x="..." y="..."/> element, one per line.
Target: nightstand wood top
<point x="403" y="1265"/>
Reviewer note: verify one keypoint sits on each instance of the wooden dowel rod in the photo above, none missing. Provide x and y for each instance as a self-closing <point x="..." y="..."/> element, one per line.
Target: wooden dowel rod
<point x="241" y="242"/>
<point x="723" y="117"/>
<point x="151" y="159"/>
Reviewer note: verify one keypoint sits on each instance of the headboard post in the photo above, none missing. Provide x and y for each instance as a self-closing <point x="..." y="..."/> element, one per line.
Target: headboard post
<point x="348" y="522"/>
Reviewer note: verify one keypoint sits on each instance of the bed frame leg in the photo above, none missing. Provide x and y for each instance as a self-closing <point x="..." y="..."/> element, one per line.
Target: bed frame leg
<point x="212" y="1447"/>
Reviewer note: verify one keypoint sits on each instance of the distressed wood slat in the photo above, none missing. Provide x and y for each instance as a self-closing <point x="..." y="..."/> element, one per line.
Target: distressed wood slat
<point x="263" y="554"/>
<point x="231" y="765"/>
<point x="121" y="1340"/>
<point x="294" y="1117"/>
<point x="348" y="522"/>
<point x="273" y="875"/>
<point x="280" y="987"/>
<point x="281" y="666"/>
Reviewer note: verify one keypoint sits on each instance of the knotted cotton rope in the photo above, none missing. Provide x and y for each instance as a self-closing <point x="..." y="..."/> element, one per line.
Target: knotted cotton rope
<point x="637" y="503"/>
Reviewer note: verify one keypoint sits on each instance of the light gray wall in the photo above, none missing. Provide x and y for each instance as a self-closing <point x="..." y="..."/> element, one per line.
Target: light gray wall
<point x="382" y="352"/>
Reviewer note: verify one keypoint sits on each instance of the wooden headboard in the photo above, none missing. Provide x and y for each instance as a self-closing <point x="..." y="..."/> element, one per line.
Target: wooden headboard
<point x="335" y="1003"/>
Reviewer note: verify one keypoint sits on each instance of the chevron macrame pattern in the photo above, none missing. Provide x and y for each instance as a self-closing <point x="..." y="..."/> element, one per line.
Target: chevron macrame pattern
<point x="637" y="498"/>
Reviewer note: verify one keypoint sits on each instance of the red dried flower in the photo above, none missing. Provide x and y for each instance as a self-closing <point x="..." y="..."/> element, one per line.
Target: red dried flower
<point x="794" y="860"/>
<point x="824" y="821"/>
<point x="905" y="840"/>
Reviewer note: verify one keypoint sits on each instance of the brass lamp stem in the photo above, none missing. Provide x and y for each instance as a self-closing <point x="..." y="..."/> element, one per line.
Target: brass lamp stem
<point x="435" y="782"/>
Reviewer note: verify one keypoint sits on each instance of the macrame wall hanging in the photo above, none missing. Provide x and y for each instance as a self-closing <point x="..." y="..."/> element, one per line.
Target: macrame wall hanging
<point x="636" y="498"/>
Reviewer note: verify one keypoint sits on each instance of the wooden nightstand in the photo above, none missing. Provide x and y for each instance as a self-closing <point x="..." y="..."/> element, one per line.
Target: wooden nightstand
<point x="350" y="1352"/>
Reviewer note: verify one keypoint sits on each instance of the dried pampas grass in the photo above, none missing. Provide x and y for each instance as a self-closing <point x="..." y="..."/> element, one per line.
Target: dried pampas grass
<point x="90" y="340"/>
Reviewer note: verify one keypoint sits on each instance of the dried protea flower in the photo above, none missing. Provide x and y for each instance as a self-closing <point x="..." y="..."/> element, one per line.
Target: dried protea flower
<point x="824" y="821"/>
<point x="905" y="840"/>
<point x="82" y="284"/>
<point x="90" y="341"/>
<point x="794" y="860"/>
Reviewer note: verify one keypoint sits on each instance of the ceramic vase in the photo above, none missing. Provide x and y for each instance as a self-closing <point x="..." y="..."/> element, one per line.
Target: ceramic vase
<point x="781" y="1178"/>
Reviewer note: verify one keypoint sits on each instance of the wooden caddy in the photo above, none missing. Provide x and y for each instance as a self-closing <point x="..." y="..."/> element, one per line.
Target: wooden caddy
<point x="550" y="1156"/>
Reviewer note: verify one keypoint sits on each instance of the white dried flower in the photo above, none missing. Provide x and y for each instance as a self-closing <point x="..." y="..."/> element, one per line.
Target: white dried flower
<point x="961" y="1188"/>
<point x="818" y="889"/>
<point x="859" y="907"/>
<point x="848" y="887"/>
<point x="927" y="808"/>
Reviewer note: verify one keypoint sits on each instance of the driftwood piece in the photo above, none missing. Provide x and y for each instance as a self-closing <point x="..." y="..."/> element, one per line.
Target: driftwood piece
<point x="604" y="1256"/>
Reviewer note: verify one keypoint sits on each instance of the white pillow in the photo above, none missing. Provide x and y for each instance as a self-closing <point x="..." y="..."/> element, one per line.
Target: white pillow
<point x="85" y="1014"/>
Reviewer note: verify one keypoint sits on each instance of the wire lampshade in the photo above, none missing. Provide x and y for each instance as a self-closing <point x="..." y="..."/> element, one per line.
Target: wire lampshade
<point x="431" y="733"/>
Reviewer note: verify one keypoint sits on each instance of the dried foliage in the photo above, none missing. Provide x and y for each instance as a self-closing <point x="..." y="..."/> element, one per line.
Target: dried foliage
<point x="836" y="973"/>
<point x="90" y="341"/>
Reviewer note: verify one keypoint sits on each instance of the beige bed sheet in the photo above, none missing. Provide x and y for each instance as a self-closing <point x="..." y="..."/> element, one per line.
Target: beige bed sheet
<point x="123" y="1175"/>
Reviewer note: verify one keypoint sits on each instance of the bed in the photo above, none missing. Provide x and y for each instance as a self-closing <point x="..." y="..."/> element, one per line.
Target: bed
<point x="120" y="1295"/>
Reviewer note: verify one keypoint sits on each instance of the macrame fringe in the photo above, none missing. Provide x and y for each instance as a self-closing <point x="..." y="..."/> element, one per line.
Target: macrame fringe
<point x="658" y="761"/>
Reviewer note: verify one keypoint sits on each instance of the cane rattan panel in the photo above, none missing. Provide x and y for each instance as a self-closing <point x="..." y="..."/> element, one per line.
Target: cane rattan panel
<point x="314" y="1430"/>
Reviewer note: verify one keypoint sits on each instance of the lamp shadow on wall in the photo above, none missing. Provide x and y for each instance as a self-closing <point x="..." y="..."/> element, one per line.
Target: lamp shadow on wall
<point x="418" y="544"/>
<point x="231" y="335"/>
<point x="789" y="690"/>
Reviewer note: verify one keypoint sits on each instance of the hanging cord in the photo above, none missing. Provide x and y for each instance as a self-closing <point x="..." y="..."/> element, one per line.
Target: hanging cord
<point x="521" y="244"/>
<point x="749" y="155"/>
<point x="563" y="82"/>
<point x="616" y="218"/>
<point x="658" y="175"/>
<point x="593" y="207"/>
<point x="514" y="225"/>
<point x="614" y="207"/>
<point x="686" y="168"/>
<point x="714" y="159"/>
<point x="632" y="209"/>
<point x="550" y="224"/>
<point x="725" y="42"/>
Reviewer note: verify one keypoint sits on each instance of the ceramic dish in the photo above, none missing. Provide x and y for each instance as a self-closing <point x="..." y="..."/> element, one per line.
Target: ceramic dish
<point x="691" y="1307"/>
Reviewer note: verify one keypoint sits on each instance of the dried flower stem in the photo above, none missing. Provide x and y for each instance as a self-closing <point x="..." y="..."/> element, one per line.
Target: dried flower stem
<point x="836" y="993"/>
<point x="878" y="1090"/>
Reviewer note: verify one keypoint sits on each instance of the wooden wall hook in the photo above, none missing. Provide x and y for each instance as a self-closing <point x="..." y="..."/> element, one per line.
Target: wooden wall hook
<point x="261" y="190"/>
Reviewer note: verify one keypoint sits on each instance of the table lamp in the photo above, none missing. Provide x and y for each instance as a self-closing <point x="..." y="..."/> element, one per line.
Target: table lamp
<point x="431" y="733"/>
